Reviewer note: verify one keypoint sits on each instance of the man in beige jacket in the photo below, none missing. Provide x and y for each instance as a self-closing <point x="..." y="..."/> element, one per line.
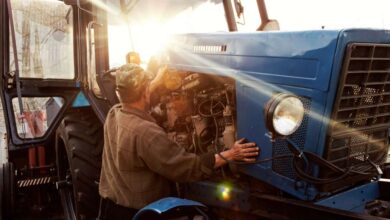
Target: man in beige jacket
<point x="139" y="161"/>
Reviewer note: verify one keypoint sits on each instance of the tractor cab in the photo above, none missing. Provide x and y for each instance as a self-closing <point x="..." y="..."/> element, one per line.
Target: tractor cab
<point x="58" y="59"/>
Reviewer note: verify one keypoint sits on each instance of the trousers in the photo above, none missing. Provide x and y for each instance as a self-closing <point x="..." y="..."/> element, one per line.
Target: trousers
<point x="108" y="210"/>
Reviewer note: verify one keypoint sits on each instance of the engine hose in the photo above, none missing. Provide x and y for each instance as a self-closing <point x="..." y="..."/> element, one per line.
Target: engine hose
<point x="320" y="161"/>
<point x="301" y="173"/>
<point x="314" y="180"/>
<point x="211" y="106"/>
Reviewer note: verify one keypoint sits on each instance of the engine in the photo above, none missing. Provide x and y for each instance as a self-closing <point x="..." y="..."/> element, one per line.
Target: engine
<point x="197" y="111"/>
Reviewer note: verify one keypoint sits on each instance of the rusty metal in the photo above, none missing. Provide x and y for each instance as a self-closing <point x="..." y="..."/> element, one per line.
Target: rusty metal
<point x="230" y="19"/>
<point x="263" y="14"/>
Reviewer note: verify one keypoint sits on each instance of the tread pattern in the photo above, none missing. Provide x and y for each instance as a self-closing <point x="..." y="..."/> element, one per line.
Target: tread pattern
<point x="82" y="134"/>
<point x="7" y="191"/>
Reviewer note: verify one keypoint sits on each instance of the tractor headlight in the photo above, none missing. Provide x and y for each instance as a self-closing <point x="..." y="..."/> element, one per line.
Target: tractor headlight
<point x="284" y="114"/>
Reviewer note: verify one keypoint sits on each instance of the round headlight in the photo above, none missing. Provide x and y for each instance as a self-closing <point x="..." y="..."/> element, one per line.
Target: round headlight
<point x="285" y="114"/>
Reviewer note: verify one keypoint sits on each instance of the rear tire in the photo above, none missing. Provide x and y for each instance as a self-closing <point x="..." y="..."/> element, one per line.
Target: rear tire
<point x="79" y="145"/>
<point x="7" y="190"/>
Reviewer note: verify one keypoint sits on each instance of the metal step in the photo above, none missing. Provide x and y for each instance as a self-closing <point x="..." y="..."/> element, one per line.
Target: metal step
<point x="36" y="181"/>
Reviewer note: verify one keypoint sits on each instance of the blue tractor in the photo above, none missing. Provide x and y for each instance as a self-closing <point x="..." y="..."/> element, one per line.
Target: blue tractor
<point x="316" y="102"/>
<point x="332" y="153"/>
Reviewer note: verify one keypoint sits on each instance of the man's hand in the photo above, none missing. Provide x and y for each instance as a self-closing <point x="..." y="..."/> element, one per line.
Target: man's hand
<point x="159" y="79"/>
<point x="240" y="151"/>
<point x="243" y="151"/>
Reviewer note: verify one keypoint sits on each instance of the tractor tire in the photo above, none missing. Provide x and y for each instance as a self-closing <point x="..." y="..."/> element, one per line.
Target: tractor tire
<point x="7" y="190"/>
<point x="79" y="145"/>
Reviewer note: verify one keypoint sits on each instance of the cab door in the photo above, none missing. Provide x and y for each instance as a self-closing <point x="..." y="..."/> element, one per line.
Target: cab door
<point x="39" y="77"/>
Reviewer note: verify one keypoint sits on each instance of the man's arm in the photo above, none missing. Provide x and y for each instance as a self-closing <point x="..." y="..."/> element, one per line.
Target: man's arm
<point x="158" y="80"/>
<point x="166" y="158"/>
<point x="171" y="161"/>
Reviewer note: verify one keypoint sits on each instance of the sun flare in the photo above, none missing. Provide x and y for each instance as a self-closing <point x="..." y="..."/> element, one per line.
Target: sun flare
<point x="150" y="34"/>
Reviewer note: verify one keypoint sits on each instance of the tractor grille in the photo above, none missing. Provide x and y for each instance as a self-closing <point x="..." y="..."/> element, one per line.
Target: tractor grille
<point x="358" y="134"/>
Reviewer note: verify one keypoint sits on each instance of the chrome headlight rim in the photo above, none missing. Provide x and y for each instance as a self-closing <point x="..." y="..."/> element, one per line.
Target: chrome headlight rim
<point x="270" y="113"/>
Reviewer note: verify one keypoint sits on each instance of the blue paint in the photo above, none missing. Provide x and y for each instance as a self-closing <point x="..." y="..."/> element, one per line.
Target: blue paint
<point x="306" y="63"/>
<point x="354" y="199"/>
<point x="302" y="59"/>
<point x="80" y="101"/>
<point x="166" y="204"/>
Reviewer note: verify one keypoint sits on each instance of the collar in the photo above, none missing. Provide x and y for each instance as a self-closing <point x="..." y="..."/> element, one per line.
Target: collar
<point x="141" y="114"/>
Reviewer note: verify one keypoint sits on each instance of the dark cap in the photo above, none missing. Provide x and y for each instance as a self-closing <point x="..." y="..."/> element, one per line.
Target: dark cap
<point x="131" y="81"/>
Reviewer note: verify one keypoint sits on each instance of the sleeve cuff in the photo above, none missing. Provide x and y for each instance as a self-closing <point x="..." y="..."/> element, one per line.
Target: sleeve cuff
<point x="208" y="162"/>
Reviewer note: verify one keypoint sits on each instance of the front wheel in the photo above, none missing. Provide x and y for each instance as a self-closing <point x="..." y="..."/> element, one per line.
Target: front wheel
<point x="79" y="145"/>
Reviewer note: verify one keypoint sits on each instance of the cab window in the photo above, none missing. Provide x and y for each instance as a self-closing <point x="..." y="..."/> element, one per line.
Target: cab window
<point x="43" y="32"/>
